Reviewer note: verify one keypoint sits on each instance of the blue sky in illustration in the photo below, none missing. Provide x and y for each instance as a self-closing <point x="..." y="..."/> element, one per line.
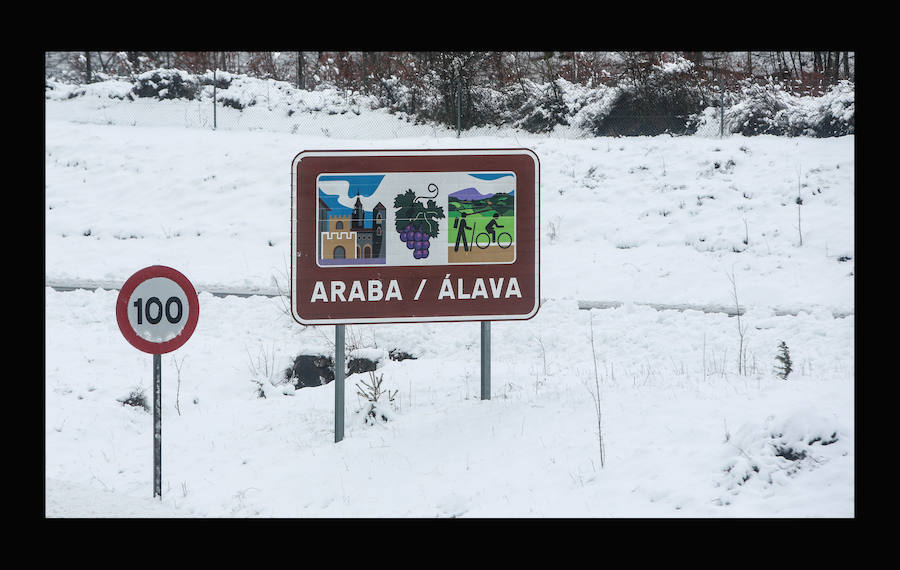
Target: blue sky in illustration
<point x="364" y="184"/>
<point x="337" y="209"/>
<point x="490" y="176"/>
<point x="357" y="185"/>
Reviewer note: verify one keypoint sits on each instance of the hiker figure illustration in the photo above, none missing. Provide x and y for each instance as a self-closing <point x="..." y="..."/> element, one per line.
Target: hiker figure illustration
<point x="491" y="225"/>
<point x="461" y="234"/>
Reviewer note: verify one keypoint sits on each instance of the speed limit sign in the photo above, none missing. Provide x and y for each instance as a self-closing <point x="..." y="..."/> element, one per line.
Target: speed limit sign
<point x="157" y="309"/>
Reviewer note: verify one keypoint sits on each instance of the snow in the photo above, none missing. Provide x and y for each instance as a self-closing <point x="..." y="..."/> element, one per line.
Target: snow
<point x="632" y="224"/>
<point x="677" y="65"/>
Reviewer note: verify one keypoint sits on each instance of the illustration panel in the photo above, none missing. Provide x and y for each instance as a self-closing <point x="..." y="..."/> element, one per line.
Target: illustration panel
<point x="415" y="218"/>
<point x="483" y="219"/>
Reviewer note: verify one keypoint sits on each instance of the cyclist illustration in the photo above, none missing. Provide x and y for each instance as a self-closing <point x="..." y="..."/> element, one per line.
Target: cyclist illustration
<point x="490" y="236"/>
<point x="491" y="225"/>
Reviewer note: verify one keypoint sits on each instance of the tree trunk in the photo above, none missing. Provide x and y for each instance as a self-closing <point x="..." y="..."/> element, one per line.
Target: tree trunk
<point x="364" y="80"/>
<point x="794" y="67"/>
<point x="785" y="70"/>
<point x="299" y="70"/>
<point x="133" y="60"/>
<point x="87" y="57"/>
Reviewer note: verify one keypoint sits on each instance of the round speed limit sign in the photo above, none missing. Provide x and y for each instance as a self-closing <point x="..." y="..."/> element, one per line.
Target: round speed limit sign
<point x="157" y="309"/>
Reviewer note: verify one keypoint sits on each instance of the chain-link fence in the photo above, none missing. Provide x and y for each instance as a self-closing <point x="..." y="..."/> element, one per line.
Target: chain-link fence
<point x="223" y="101"/>
<point x="447" y="95"/>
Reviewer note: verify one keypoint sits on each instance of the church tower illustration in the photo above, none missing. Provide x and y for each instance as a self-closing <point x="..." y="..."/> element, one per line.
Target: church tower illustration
<point x="355" y="238"/>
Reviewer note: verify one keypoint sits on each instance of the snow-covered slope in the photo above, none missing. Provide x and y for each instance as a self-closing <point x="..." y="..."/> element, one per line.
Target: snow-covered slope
<point x="628" y="222"/>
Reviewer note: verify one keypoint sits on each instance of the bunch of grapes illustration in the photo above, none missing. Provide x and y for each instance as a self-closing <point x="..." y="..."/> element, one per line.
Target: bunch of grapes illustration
<point x="417" y="222"/>
<point x="416" y="240"/>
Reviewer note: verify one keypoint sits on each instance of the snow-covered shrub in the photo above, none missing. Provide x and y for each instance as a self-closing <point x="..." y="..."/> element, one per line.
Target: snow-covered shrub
<point x="308" y="370"/>
<point x="376" y="409"/>
<point x="400" y="355"/>
<point x="232" y="90"/>
<point x="779" y="449"/>
<point x="784" y="366"/>
<point x="400" y="97"/>
<point x="109" y="88"/>
<point x="758" y="110"/>
<point x="137" y="398"/>
<point x="527" y="105"/>
<point x="543" y="109"/>
<point x="835" y="111"/>
<point x="166" y="84"/>
<point x="485" y="107"/>
<point x="365" y="360"/>
<point x="665" y="99"/>
<point x="769" y="109"/>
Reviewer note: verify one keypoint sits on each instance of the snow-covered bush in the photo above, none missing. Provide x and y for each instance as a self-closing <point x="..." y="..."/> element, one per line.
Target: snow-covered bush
<point x="137" y="398"/>
<point x="541" y="108"/>
<point x="784" y="366"/>
<point x="105" y="89"/>
<point x="396" y="95"/>
<point x="166" y="84"/>
<point x="771" y="453"/>
<point x="376" y="409"/>
<point x="664" y="99"/>
<point x="769" y="109"/>
<point x="834" y="111"/>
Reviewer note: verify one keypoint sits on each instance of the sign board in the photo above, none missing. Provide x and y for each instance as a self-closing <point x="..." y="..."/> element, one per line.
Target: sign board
<point x="157" y="309"/>
<point x="415" y="235"/>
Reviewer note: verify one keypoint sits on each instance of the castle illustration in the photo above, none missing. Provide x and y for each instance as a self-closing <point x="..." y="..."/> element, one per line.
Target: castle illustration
<point x="343" y="237"/>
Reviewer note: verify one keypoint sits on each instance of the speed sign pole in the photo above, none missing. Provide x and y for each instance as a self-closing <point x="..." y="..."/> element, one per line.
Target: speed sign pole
<point x="157" y="311"/>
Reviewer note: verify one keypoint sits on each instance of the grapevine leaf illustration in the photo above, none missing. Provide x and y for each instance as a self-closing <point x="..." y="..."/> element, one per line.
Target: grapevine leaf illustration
<point x="417" y="223"/>
<point x="409" y="210"/>
<point x="404" y="209"/>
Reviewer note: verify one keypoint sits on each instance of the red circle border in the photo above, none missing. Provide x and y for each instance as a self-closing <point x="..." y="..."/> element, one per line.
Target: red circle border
<point x="122" y="309"/>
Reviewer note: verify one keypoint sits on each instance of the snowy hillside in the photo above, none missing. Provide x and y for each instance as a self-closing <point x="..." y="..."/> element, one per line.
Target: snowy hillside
<point x="649" y="230"/>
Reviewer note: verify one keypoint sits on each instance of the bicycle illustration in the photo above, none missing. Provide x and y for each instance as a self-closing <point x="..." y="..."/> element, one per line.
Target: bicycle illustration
<point x="483" y="240"/>
<point x="489" y="235"/>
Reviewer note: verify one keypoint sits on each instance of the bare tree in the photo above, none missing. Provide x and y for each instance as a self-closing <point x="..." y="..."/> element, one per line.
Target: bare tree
<point x="596" y="398"/>
<point x="742" y="329"/>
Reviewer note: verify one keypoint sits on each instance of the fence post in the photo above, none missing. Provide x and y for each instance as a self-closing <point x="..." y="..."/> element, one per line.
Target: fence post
<point x="721" y="106"/>
<point x="214" y="99"/>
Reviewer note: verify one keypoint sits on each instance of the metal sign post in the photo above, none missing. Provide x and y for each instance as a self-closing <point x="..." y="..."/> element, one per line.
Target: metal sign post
<point x="339" y="369"/>
<point x="486" y="360"/>
<point x="157" y="426"/>
<point x="157" y="311"/>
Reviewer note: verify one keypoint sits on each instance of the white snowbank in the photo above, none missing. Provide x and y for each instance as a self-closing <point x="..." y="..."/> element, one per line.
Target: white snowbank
<point x="628" y="221"/>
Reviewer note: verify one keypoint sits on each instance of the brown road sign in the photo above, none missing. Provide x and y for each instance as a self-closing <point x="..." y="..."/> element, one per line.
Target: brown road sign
<point x="415" y="235"/>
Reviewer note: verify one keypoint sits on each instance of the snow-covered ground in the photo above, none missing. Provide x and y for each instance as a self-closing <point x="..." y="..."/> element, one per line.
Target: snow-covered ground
<point x="635" y="224"/>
